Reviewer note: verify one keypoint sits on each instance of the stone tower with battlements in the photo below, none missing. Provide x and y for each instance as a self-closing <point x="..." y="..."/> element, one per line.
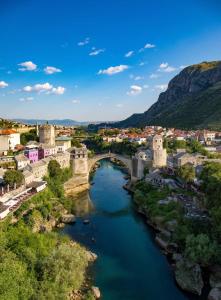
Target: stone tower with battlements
<point x="158" y="152"/>
<point x="79" y="158"/>
<point x="47" y="134"/>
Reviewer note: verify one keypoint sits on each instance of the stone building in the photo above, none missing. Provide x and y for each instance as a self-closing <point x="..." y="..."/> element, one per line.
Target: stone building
<point x="47" y="134"/>
<point x="63" y="143"/>
<point x="63" y="159"/>
<point x="159" y="153"/>
<point x="181" y="159"/>
<point x="39" y="169"/>
<point x="153" y="158"/>
<point x="46" y="150"/>
<point x="79" y="158"/>
<point x="9" y="138"/>
<point x="21" y="161"/>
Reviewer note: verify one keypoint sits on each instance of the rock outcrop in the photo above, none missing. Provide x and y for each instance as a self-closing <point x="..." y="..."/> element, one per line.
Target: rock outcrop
<point x="192" y="99"/>
<point x="68" y="218"/>
<point x="96" y="292"/>
<point x="188" y="276"/>
<point x="215" y="277"/>
<point x="215" y="294"/>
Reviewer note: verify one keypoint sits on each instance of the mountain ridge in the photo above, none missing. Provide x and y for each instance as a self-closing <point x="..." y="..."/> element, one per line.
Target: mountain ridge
<point x="192" y="100"/>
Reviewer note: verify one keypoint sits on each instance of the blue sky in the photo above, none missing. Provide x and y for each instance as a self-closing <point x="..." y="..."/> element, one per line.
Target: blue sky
<point x="99" y="60"/>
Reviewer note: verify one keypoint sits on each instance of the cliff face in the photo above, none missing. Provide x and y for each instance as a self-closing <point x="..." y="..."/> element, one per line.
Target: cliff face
<point x="192" y="100"/>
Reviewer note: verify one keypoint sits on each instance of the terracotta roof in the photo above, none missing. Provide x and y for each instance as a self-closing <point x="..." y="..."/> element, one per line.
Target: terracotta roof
<point x="7" y="131"/>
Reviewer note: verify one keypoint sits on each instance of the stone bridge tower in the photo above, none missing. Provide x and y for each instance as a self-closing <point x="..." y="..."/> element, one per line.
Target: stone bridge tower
<point x="158" y="152"/>
<point x="79" y="158"/>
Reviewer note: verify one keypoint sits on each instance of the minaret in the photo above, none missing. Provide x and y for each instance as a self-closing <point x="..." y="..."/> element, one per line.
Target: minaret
<point x="37" y="129"/>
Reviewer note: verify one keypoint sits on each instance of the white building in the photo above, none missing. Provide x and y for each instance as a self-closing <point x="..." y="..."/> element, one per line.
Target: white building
<point x="9" y="139"/>
<point x="21" y="161"/>
<point x="63" y="143"/>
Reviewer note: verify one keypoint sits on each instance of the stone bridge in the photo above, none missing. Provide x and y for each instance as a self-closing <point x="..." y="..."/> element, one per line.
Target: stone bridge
<point x="127" y="161"/>
<point x="82" y="166"/>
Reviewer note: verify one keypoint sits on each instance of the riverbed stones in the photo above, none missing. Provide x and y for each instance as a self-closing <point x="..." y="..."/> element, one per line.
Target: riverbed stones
<point x="96" y="292"/>
<point x="215" y="294"/>
<point x="189" y="276"/>
<point x="68" y="218"/>
<point x="91" y="256"/>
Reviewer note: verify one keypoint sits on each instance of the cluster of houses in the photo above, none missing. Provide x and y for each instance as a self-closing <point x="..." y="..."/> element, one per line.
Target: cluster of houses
<point x="33" y="163"/>
<point x="210" y="139"/>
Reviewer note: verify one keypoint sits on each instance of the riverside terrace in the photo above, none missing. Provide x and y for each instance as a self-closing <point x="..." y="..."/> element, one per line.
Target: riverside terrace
<point x="12" y="204"/>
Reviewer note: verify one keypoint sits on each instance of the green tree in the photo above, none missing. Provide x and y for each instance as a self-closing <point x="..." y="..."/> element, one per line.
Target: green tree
<point x="54" y="168"/>
<point x="63" y="271"/>
<point x="76" y="143"/>
<point x="29" y="136"/>
<point x="15" y="282"/>
<point x="13" y="177"/>
<point x="200" y="249"/>
<point x="187" y="172"/>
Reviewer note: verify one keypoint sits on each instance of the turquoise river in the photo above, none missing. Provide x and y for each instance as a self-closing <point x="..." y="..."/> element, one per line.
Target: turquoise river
<point x="130" y="266"/>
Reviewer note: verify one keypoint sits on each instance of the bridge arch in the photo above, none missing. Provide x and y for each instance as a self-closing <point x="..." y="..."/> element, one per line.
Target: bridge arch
<point x="125" y="160"/>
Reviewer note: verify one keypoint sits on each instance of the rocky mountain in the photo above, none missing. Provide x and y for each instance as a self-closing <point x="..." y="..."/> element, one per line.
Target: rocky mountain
<point x="192" y="100"/>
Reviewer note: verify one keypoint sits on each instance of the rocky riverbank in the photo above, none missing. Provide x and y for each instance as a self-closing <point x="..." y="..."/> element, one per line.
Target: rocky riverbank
<point x="190" y="277"/>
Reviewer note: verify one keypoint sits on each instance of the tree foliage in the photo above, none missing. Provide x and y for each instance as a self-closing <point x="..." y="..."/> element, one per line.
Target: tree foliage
<point x="187" y="172"/>
<point x="200" y="249"/>
<point x="54" y="169"/>
<point x="13" y="177"/>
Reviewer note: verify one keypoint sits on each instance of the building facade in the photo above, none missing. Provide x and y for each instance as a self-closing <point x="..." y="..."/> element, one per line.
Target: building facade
<point x="79" y="158"/>
<point x="47" y="134"/>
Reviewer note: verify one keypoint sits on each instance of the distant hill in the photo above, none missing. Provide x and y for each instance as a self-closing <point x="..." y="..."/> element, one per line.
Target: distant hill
<point x="192" y="100"/>
<point x="64" y="122"/>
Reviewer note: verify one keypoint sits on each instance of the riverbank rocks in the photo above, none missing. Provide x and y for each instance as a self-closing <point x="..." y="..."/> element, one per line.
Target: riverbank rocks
<point x="189" y="276"/>
<point x="215" y="277"/>
<point x="68" y="218"/>
<point x="96" y="292"/>
<point x="91" y="256"/>
<point x="215" y="294"/>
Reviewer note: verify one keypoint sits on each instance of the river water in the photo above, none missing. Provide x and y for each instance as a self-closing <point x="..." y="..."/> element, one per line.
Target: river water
<point x="129" y="266"/>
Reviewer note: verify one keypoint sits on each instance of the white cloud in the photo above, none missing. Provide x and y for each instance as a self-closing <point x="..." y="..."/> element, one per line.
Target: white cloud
<point x="26" y="99"/>
<point x="57" y="90"/>
<point x="161" y="87"/>
<point x="3" y="84"/>
<point x="142" y="63"/>
<point x="164" y="67"/>
<point x="182" y="67"/>
<point x="27" y="66"/>
<point x="45" y="88"/>
<point x="75" y="101"/>
<point x="169" y="69"/>
<point x="84" y="42"/>
<point x="96" y="52"/>
<point x="129" y="54"/>
<point x="149" y="46"/>
<point x="138" y="78"/>
<point x="145" y="86"/>
<point x="51" y="70"/>
<point x="113" y="70"/>
<point x="153" y="76"/>
<point x="134" y="90"/>
<point x="119" y="105"/>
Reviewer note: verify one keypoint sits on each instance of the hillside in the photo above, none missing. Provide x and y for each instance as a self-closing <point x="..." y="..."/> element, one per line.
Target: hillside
<point x="192" y="100"/>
